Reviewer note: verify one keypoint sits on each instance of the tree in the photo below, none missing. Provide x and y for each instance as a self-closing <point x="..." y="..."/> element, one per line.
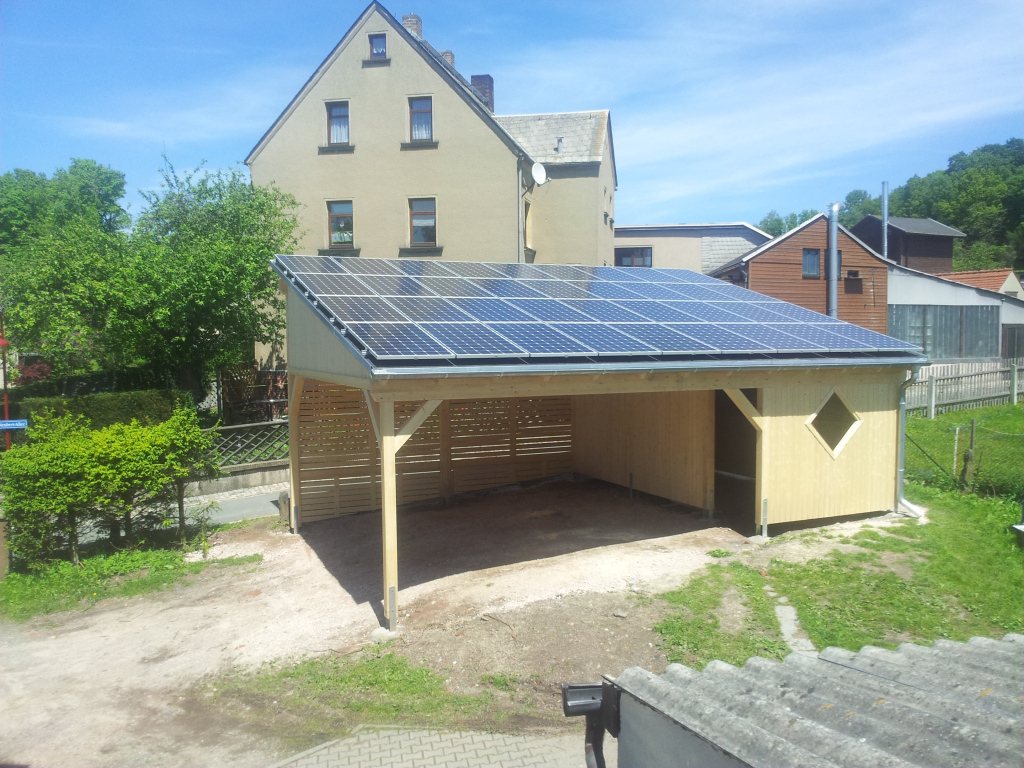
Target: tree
<point x="858" y="204"/>
<point x="776" y="225"/>
<point x="203" y="248"/>
<point x="186" y="453"/>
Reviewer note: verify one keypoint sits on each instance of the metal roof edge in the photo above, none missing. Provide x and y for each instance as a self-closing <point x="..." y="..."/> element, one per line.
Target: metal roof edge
<point x="765" y="246"/>
<point x="986" y="291"/>
<point x="706" y="225"/>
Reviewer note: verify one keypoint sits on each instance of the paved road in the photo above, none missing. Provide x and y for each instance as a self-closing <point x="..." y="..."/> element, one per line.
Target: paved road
<point x="377" y="747"/>
<point x="233" y="510"/>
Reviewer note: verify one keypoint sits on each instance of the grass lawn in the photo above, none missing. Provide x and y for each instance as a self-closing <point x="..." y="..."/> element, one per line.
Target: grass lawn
<point x="957" y="576"/>
<point x="999" y="456"/>
<point x="63" y="586"/>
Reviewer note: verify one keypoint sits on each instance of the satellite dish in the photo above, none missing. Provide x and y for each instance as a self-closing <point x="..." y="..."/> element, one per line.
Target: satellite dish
<point x="539" y="174"/>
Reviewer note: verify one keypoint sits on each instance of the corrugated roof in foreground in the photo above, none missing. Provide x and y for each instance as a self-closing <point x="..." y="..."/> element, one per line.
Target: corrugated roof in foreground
<point x="954" y="704"/>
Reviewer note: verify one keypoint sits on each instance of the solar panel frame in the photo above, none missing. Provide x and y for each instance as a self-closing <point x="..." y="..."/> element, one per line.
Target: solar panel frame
<point x="717" y="337"/>
<point x="557" y="289"/>
<point x="694" y="292"/>
<point x="428" y="309"/>
<point x="473" y="340"/>
<point x="492" y="311"/>
<point x="820" y="334"/>
<point x="705" y="313"/>
<point x="750" y="312"/>
<point x="508" y="288"/>
<point x="609" y="290"/>
<point x="519" y="271"/>
<point x="361" y="266"/>
<point x="422" y="268"/>
<point x="540" y="340"/>
<point x="334" y="284"/>
<point x="604" y="311"/>
<point x="604" y="340"/>
<point x="776" y="338"/>
<point x="656" y="311"/>
<point x="878" y="341"/>
<point x="662" y="338"/>
<point x="361" y="309"/>
<point x="398" y="341"/>
<point x="549" y="310"/>
<point x="562" y="271"/>
<point x="455" y="287"/>
<point x="474" y="269"/>
<point x="396" y="285"/>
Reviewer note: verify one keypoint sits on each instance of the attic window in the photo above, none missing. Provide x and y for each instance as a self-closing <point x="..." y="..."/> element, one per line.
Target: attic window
<point x="378" y="46"/>
<point x="834" y="423"/>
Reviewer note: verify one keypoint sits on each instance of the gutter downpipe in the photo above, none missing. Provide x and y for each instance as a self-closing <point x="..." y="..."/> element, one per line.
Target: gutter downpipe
<point x="902" y="442"/>
<point x="832" y="297"/>
<point x="885" y="219"/>
<point x="520" y="195"/>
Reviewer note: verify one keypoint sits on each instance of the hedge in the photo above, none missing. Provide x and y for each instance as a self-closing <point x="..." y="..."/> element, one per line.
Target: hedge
<point x="150" y="406"/>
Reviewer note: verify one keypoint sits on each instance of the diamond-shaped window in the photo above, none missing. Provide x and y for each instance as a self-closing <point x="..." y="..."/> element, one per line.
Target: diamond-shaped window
<point x="834" y="423"/>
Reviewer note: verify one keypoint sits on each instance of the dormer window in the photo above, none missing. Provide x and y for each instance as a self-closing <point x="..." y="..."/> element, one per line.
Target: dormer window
<point x="337" y="123"/>
<point x="378" y="46"/>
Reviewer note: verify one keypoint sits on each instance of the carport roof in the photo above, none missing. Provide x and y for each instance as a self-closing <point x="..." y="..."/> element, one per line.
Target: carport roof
<point x="420" y="318"/>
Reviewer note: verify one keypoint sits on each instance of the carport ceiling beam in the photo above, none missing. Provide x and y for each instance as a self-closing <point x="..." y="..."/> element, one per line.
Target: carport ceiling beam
<point x="746" y="408"/>
<point x="407" y="430"/>
<point x="373" y="407"/>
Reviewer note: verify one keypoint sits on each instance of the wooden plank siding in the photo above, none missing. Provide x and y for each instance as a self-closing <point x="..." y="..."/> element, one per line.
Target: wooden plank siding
<point x="665" y="439"/>
<point x="464" y="445"/>
<point x="778" y="272"/>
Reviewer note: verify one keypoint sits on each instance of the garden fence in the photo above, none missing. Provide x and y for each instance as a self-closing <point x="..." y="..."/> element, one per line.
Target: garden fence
<point x="938" y="394"/>
<point x="251" y="443"/>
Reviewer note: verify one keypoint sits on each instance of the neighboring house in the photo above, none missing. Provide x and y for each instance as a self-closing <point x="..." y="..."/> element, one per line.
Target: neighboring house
<point x="792" y="267"/>
<point x="391" y="152"/>
<point x="999" y="280"/>
<point x="922" y="244"/>
<point x="952" y="320"/>
<point x="700" y="247"/>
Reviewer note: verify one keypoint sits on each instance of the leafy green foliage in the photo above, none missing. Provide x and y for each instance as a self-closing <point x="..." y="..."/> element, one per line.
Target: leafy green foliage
<point x="64" y="586"/>
<point x="999" y="452"/>
<point x="105" y="408"/>
<point x="966" y="578"/>
<point x="502" y="681"/>
<point x="776" y="225"/>
<point x="720" y="553"/>
<point x="858" y="204"/>
<point x="694" y="637"/>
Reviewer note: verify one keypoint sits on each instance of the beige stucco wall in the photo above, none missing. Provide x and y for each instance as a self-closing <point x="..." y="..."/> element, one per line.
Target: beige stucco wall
<point x="668" y="251"/>
<point x="472" y="174"/>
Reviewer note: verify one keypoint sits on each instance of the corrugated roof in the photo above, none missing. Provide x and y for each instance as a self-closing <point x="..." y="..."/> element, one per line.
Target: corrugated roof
<point x="954" y="704"/>
<point x="990" y="279"/>
<point x="916" y="226"/>
<point x="582" y="133"/>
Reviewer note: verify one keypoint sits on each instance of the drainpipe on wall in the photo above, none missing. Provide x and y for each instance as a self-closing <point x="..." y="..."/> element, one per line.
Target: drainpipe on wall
<point x="519" y="197"/>
<point x="885" y="219"/>
<point x="832" y="298"/>
<point x="902" y="445"/>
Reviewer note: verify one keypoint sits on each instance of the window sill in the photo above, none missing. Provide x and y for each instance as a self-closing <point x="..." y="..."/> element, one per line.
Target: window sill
<point x="376" y="63"/>
<point x="412" y="145"/>
<point x="336" y="149"/>
<point x="811" y="277"/>
<point x="421" y="252"/>
<point x="338" y="252"/>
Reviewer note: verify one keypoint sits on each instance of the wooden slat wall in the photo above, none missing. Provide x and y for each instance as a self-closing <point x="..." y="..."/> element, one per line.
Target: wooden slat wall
<point x="778" y="273"/>
<point x="666" y="439"/>
<point x="478" y="443"/>
<point x="803" y="481"/>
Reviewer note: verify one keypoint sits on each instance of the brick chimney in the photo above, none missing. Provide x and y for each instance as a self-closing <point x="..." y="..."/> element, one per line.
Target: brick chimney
<point x="449" y="57"/>
<point x="484" y="85"/>
<point x="414" y="24"/>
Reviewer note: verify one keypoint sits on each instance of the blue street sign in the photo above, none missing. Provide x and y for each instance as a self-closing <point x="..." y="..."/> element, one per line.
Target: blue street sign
<point x="13" y="424"/>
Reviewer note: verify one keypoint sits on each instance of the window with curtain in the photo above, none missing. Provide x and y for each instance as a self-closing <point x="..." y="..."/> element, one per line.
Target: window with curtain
<point x="378" y="46"/>
<point x="421" y="119"/>
<point x="633" y="257"/>
<point x="812" y="262"/>
<point x="337" y="123"/>
<point x="340" y="218"/>
<point x="422" y="222"/>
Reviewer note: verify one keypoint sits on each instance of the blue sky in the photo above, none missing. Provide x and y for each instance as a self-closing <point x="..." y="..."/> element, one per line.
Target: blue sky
<point x="720" y="110"/>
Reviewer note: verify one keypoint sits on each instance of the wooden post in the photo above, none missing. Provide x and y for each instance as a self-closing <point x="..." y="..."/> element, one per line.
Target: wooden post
<point x="967" y="476"/>
<point x="931" y="397"/>
<point x="389" y="513"/>
<point x="1014" y="373"/>
<point x="444" y="417"/>
<point x="295" y="386"/>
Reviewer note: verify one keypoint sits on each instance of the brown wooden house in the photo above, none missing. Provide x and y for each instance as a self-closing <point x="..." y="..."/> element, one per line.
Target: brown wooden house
<point x="792" y="267"/>
<point x="922" y="244"/>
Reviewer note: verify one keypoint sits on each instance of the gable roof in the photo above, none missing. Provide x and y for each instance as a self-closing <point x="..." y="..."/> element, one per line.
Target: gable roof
<point x="916" y="226"/>
<point x="630" y="230"/>
<point x="582" y="135"/>
<point x="990" y="279"/>
<point x="431" y="56"/>
<point x="775" y="241"/>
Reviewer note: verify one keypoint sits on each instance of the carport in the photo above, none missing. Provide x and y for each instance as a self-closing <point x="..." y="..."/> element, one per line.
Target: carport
<point x="405" y="387"/>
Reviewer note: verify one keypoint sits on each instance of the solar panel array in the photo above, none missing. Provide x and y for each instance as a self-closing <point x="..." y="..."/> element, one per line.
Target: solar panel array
<point x="458" y="311"/>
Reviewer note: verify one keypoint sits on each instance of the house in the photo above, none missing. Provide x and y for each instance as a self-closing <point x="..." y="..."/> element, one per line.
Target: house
<point x="792" y="267"/>
<point x="954" y="321"/>
<point x="922" y="244"/>
<point x="392" y="153"/>
<point x="414" y="379"/>
<point x="999" y="280"/>
<point x="699" y="247"/>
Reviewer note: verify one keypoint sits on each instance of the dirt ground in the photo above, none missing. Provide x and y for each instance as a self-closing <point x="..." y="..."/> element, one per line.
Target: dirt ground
<point x="545" y="585"/>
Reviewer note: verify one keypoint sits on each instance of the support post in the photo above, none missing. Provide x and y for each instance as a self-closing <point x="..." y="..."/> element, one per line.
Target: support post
<point x="444" y="417"/>
<point x="1014" y="374"/>
<point x="295" y="386"/>
<point x="389" y="512"/>
<point x="764" y="518"/>
<point x="931" y="397"/>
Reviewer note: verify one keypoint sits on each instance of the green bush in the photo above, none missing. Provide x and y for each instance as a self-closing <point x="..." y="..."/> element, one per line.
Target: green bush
<point x="148" y="407"/>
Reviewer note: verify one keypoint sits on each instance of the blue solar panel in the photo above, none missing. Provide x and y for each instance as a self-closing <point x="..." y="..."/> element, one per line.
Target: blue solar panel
<point x="603" y="339"/>
<point x="519" y="271"/>
<point x="390" y="285"/>
<point x="540" y="340"/>
<point x="557" y="289"/>
<point x="773" y="337"/>
<point x="427" y="309"/>
<point x="653" y="291"/>
<point x="334" y="285"/>
<point x="605" y="311"/>
<point x="562" y="271"/>
<point x="314" y="264"/>
<point x="400" y="341"/>
<point x="871" y="338"/>
<point x="474" y="269"/>
<point x="453" y="286"/>
<point x="794" y="313"/>
<point x="621" y="274"/>
<point x="351" y="309"/>
<point x="549" y="310"/>
<point x="491" y="310"/>
<point x="753" y="312"/>
<point x="369" y="267"/>
<point x="472" y="340"/>
<point x="707" y="313"/>
<point x="661" y="338"/>
<point x="506" y="287"/>
<point x="424" y="268"/>
<point x="657" y="312"/>
<point x="601" y="290"/>
<point x="678" y="276"/>
<point x="719" y="338"/>
<point x="818" y="334"/>
<point x="691" y="292"/>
